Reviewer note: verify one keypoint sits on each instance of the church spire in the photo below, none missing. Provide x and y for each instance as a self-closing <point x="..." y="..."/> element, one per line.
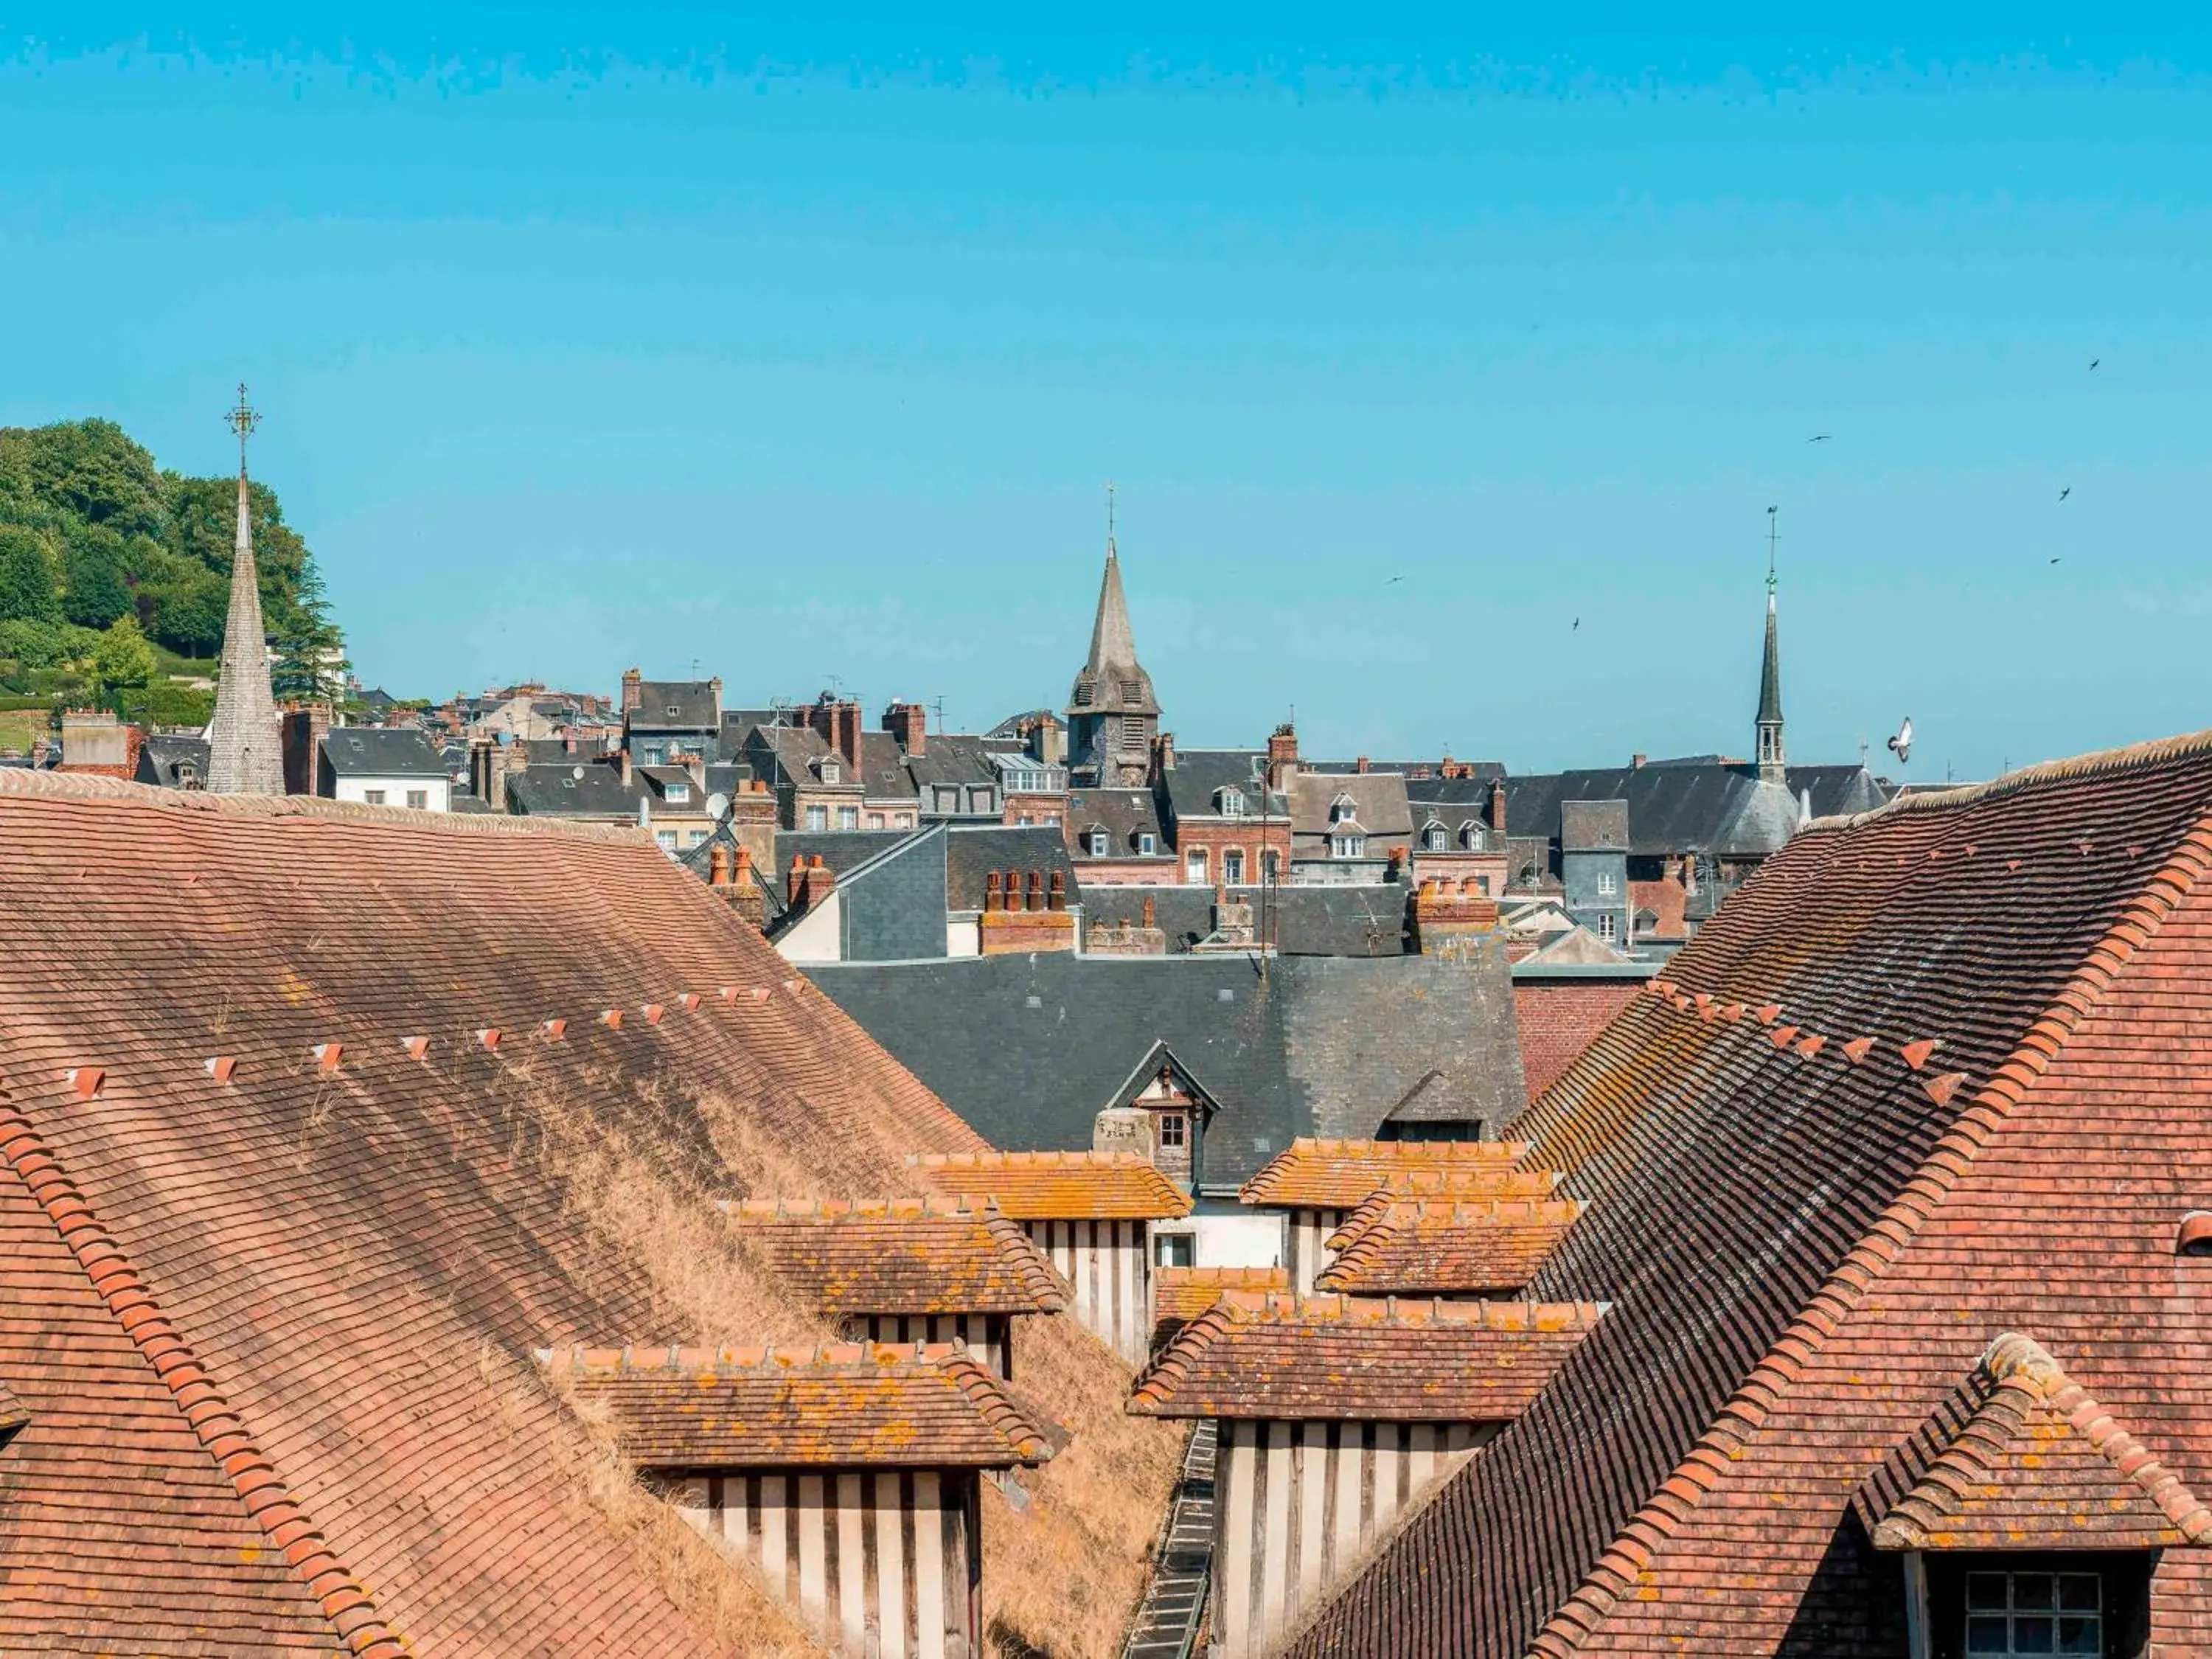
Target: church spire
<point x="1112" y="715"/>
<point x="1774" y="762"/>
<point x="245" y="755"/>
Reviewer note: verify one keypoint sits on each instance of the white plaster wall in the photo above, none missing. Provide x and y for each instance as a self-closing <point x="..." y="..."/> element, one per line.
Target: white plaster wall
<point x="818" y="936"/>
<point x="356" y="789"/>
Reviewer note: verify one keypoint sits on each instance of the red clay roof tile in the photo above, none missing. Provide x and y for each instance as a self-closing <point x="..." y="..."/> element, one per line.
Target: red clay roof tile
<point x="1057" y="1185"/>
<point x="905" y="1255"/>
<point x="1314" y="1173"/>
<point x="1445" y="1247"/>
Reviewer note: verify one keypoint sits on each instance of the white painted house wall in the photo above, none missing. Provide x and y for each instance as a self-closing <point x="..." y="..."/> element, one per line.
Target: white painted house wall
<point x="1106" y="1266"/>
<point x="438" y="793"/>
<point x="818" y="936"/>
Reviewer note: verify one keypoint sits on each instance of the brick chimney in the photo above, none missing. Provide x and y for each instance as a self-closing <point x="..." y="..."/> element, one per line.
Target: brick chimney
<point x="1360" y="765"/>
<point x="1162" y="755"/>
<point x="633" y="690"/>
<point x="743" y="893"/>
<point x="1498" y="808"/>
<point x="994" y="892"/>
<point x="714" y="686"/>
<point x="908" y="724"/>
<point x="1282" y="756"/>
<point x="1036" y="890"/>
<point x="1056" y="899"/>
<point x="819" y="880"/>
<point x="487" y="777"/>
<point x="1150" y="919"/>
<point x="304" y="727"/>
<point x="718" y="866"/>
<point x="1636" y="761"/>
<point x="794" y="881"/>
<point x="623" y="761"/>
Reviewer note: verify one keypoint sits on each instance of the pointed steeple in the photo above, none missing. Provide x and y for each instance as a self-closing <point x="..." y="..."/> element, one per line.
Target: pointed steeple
<point x="1113" y="643"/>
<point x="1773" y="763"/>
<point x="1112" y="714"/>
<point x="244" y="751"/>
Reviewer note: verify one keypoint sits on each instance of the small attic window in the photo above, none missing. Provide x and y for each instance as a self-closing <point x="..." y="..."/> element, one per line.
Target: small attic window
<point x="673" y="709"/>
<point x="1032" y="1002"/>
<point x="1225" y="994"/>
<point x="2195" y="1237"/>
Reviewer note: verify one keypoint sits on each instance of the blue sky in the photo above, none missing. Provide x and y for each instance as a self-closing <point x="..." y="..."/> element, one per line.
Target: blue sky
<point x="588" y="337"/>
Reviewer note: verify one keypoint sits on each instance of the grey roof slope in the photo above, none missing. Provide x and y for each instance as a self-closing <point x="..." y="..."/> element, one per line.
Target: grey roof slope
<point x="382" y="752"/>
<point x="973" y="851"/>
<point x="1124" y="814"/>
<point x="1197" y="774"/>
<point x="692" y="700"/>
<point x="1425" y="779"/>
<point x="1367" y="920"/>
<point x="1379" y="802"/>
<point x="842" y="850"/>
<point x="161" y="755"/>
<point x="952" y="758"/>
<point x="1691" y="805"/>
<point x="557" y="792"/>
<point x="884" y="773"/>
<point x="1029" y="1048"/>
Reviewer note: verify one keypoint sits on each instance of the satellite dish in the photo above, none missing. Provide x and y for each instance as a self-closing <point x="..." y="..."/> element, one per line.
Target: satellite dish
<point x="718" y="805"/>
<point x="577" y="773"/>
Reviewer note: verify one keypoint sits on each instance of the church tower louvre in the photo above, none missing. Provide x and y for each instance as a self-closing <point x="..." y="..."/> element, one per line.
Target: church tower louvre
<point x="1112" y="714"/>
<point x="1773" y="758"/>
<point x="245" y="748"/>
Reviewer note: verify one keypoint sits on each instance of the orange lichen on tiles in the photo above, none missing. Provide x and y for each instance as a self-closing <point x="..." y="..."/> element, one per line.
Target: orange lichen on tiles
<point x="1316" y="1173"/>
<point x="1349" y="1359"/>
<point x="1057" y="1185"/>
<point x="900" y="1256"/>
<point x="1458" y="1246"/>
<point x="1180" y="1294"/>
<point x="838" y="1406"/>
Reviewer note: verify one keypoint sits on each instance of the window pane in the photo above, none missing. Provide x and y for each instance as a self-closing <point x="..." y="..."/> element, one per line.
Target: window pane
<point x="2077" y="1592"/>
<point x="2035" y="1590"/>
<point x="1988" y="1636"/>
<point x="2034" y="1633"/>
<point x="1985" y="1589"/>
<point x="2080" y="1634"/>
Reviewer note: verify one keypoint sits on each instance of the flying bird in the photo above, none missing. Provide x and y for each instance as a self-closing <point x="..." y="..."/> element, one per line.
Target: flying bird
<point x="1577" y="627"/>
<point x="1821" y="438"/>
<point x="1394" y="579"/>
<point x="2054" y="561"/>
<point x="1901" y="744"/>
<point x="2093" y="362"/>
<point x="2064" y="493"/>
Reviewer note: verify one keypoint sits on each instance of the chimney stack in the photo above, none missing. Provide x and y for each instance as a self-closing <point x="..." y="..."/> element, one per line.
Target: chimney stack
<point x="1057" y="900"/>
<point x="1036" y="890"/>
<point x="1150" y="919"/>
<point x="622" y="759"/>
<point x="1498" y="808"/>
<point x="718" y="866"/>
<point x="303" y="727"/>
<point x="633" y="690"/>
<point x="846" y="721"/>
<point x="994" y="891"/>
<point x="714" y="686"/>
<point x="794" y="881"/>
<point x="1282" y="756"/>
<point x="908" y="724"/>
<point x="1163" y="754"/>
<point x="1360" y="765"/>
<point x="1636" y="761"/>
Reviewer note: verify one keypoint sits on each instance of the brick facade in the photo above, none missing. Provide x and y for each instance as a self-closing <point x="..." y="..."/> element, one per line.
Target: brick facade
<point x="1560" y="1018"/>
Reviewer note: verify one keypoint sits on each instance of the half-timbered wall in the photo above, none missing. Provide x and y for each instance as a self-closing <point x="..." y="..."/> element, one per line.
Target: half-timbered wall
<point x="1309" y="1254"/>
<point x="880" y="1562"/>
<point x="1297" y="1503"/>
<point x="1103" y="1263"/>
<point x="985" y="1334"/>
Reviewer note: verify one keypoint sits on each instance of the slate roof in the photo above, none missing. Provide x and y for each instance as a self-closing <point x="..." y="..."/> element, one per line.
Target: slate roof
<point x="272" y="1280"/>
<point x="556" y="792"/>
<point x="1367" y="919"/>
<point x="951" y="757"/>
<point x="1932" y="1073"/>
<point x="884" y="771"/>
<point x="693" y="702"/>
<point x="161" y="755"/>
<point x="1318" y="1173"/>
<point x="1028" y="1050"/>
<point x="1340" y="1359"/>
<point x="1124" y="814"/>
<point x="1379" y="802"/>
<point x="845" y="1406"/>
<point x="913" y="1256"/>
<point x="842" y="850"/>
<point x="1425" y="779"/>
<point x="376" y="752"/>
<point x="1692" y="806"/>
<point x="1111" y="677"/>
<point x="1070" y="1186"/>
<point x="973" y="851"/>
<point x="1446" y="1246"/>
<point x="1198" y="774"/>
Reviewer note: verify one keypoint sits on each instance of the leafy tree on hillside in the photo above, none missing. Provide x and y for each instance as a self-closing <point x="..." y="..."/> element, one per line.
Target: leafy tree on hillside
<point x="311" y="663"/>
<point x="92" y="470"/>
<point x="186" y="612"/>
<point x="203" y="528"/>
<point x="95" y="587"/>
<point x="124" y="661"/>
<point x="27" y="577"/>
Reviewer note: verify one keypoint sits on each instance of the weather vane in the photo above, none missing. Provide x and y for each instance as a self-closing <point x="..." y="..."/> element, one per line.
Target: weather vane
<point x="242" y="421"/>
<point x="1773" y="535"/>
<point x="1110" y="513"/>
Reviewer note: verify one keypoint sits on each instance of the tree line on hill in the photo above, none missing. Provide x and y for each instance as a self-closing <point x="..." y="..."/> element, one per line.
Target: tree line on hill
<point x="103" y="554"/>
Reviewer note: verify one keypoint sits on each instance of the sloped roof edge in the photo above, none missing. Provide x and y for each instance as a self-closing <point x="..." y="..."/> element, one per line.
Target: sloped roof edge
<point x="2095" y="764"/>
<point x="1947" y="1162"/>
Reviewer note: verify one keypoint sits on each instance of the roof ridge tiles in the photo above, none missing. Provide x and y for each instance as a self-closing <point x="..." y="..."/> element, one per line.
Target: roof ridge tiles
<point x="2127" y="758"/>
<point x="927" y="1207"/>
<point x="221" y="1432"/>
<point x="1746" y="1410"/>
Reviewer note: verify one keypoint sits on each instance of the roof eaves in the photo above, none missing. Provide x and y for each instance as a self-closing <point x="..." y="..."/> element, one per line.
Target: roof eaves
<point x="1745" y="1413"/>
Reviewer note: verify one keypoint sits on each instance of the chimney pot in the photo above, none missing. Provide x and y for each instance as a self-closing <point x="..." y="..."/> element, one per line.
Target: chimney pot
<point x="994" y="898"/>
<point x="1359" y="765"/>
<point x="1636" y="761"/>
<point x="1036" y="890"/>
<point x="1149" y="912"/>
<point x="1058" y="898"/>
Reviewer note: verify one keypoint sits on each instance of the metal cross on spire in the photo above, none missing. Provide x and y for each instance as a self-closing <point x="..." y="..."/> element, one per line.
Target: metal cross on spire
<point x="1110" y="514"/>
<point x="242" y="421"/>
<point x="1773" y="535"/>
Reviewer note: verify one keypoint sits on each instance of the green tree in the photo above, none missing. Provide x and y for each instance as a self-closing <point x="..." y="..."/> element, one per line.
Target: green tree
<point x="92" y="470"/>
<point x="95" y="589"/>
<point x="202" y="526"/>
<point x="123" y="661"/>
<point x="27" y="577"/>
<point x="187" y="611"/>
<point x="311" y="660"/>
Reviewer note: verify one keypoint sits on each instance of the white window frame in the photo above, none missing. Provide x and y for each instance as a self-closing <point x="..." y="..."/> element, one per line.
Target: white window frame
<point x="1232" y="866"/>
<point x="418" y="801"/>
<point x="1147" y="842"/>
<point x="1606" y="885"/>
<point x="679" y="795"/>
<point x="1347" y="847"/>
<point x="1196" y="868"/>
<point x="818" y="817"/>
<point x="1434" y="839"/>
<point x="848" y="817"/>
<point x="372" y="797"/>
<point x="1097" y="841"/>
<point x="1231" y="801"/>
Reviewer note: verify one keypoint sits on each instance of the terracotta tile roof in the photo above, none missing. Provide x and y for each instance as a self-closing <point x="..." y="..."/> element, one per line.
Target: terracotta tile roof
<point x="1180" y="1294"/>
<point x="2022" y="1457"/>
<point x="1445" y="1247"/>
<point x="844" y="1406"/>
<point x="1335" y="1174"/>
<point x="263" y="1314"/>
<point x="1473" y="1183"/>
<point x="1806" y="1251"/>
<point x="1341" y="1358"/>
<point x="907" y="1255"/>
<point x="1058" y="1186"/>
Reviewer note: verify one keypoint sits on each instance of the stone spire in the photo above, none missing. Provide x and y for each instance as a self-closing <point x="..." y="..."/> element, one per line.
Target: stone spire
<point x="244" y="751"/>
<point x="1113" y="716"/>
<point x="1773" y="763"/>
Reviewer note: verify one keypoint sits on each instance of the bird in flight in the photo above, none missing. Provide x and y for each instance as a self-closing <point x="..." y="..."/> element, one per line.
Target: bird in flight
<point x="2054" y="561"/>
<point x="2093" y="362"/>
<point x="1821" y="438"/>
<point x="1577" y="627"/>
<point x="1394" y="579"/>
<point x="2064" y="493"/>
<point x="1901" y="744"/>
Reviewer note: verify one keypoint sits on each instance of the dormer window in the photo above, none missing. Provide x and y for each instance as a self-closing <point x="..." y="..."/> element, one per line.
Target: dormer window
<point x="1433" y="838"/>
<point x="678" y="793"/>
<point x="829" y="771"/>
<point x="1342" y="810"/>
<point x="1470" y="836"/>
<point x="1347" y="847"/>
<point x="1097" y="840"/>
<point x="1230" y="803"/>
<point x="673" y="710"/>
